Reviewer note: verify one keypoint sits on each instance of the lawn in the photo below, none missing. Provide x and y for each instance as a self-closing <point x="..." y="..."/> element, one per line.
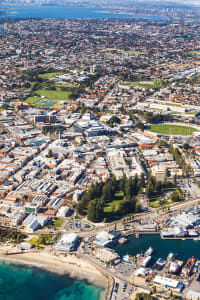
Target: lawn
<point x="108" y="49"/>
<point x="172" y="129"/>
<point x="50" y="75"/>
<point x="156" y="204"/>
<point x="57" y="223"/>
<point x="109" y="206"/>
<point x="134" y="52"/>
<point x="32" y="100"/>
<point x="125" y="51"/>
<point x="193" y="53"/>
<point x="171" y="104"/>
<point x="33" y="241"/>
<point x="54" y="94"/>
<point x="146" y="85"/>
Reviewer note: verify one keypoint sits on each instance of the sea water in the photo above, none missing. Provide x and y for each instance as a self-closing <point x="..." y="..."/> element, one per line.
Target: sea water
<point x="18" y="282"/>
<point x="65" y="12"/>
<point x="162" y="247"/>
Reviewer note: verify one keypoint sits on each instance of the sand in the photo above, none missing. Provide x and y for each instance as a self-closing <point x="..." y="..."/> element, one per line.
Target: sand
<point x="71" y="265"/>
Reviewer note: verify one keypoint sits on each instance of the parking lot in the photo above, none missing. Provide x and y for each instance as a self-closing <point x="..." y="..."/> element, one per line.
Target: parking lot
<point x="78" y="225"/>
<point x="122" y="291"/>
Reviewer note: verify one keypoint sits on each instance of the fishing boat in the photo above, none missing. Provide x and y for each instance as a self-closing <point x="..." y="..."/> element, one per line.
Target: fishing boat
<point x="175" y="266"/>
<point x="186" y="270"/>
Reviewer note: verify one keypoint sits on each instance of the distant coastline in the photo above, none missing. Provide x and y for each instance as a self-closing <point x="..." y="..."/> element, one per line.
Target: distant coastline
<point x="69" y="12"/>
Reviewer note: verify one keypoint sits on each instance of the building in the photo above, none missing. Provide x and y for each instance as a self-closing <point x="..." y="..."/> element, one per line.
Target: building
<point x="68" y="242"/>
<point x="45" y="119"/>
<point x="106" y="239"/>
<point x="63" y="211"/>
<point x="106" y="255"/>
<point x="193" y="295"/>
<point x="168" y="282"/>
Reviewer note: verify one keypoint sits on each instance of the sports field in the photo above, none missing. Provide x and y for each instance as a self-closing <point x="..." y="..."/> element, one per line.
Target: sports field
<point x="172" y="129"/>
<point x="145" y="84"/>
<point x="54" y="94"/>
<point x="50" y="75"/>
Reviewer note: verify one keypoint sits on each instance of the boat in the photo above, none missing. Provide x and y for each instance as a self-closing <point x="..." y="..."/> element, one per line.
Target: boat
<point x="149" y="252"/>
<point x="175" y="266"/>
<point x="122" y="240"/>
<point x="186" y="270"/>
<point x="146" y="261"/>
<point x="170" y="256"/>
<point x="128" y="259"/>
<point x="159" y="264"/>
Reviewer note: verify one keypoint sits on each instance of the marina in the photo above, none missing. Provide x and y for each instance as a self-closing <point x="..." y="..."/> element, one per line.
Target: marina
<point x="162" y="247"/>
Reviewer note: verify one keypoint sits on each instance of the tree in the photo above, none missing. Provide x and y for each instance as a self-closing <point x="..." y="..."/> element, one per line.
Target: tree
<point x="114" y="120"/>
<point x="50" y="153"/>
<point x="140" y="125"/>
<point x="175" y="179"/>
<point x="107" y="193"/>
<point x="175" y="197"/>
<point x="154" y="289"/>
<point x="143" y="296"/>
<point x="133" y="203"/>
<point x="149" y="189"/>
<point x="158" y="187"/>
<point x="186" y="146"/>
<point x="124" y="207"/>
<point x="123" y="183"/>
<point x="141" y="182"/>
<point x="115" y="184"/>
<point x="95" y="211"/>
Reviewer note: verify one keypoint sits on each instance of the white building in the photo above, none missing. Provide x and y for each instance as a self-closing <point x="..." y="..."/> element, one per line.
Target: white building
<point x="104" y="239"/>
<point x="168" y="282"/>
<point x="63" y="211"/>
<point x="106" y="255"/>
<point x="68" y="242"/>
<point x="193" y="295"/>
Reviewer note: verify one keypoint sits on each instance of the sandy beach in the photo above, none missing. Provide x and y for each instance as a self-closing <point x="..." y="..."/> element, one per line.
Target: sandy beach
<point x="70" y="264"/>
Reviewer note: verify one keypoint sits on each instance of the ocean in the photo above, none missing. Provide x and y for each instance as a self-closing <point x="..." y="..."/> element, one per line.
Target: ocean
<point x="18" y="282"/>
<point x="65" y="12"/>
<point x="184" y="248"/>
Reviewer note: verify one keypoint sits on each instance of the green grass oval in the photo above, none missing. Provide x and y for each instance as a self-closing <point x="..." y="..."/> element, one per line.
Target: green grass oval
<point x="172" y="129"/>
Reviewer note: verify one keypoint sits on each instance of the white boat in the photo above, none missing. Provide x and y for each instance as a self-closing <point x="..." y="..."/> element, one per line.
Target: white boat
<point x="122" y="240"/>
<point x="149" y="251"/>
<point x="146" y="261"/>
<point x="127" y="259"/>
<point x="170" y="256"/>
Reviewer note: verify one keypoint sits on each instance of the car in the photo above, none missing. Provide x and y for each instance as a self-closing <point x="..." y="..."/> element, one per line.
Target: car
<point x="116" y="284"/>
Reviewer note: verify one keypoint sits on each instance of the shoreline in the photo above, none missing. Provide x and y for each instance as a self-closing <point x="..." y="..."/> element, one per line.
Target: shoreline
<point x="71" y="265"/>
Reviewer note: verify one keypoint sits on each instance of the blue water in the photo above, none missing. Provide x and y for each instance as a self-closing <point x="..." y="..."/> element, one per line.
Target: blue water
<point x="22" y="283"/>
<point x="64" y="12"/>
<point x="184" y="248"/>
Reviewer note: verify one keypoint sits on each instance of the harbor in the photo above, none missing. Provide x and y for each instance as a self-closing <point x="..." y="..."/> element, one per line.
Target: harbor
<point x="168" y="265"/>
<point x="165" y="246"/>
